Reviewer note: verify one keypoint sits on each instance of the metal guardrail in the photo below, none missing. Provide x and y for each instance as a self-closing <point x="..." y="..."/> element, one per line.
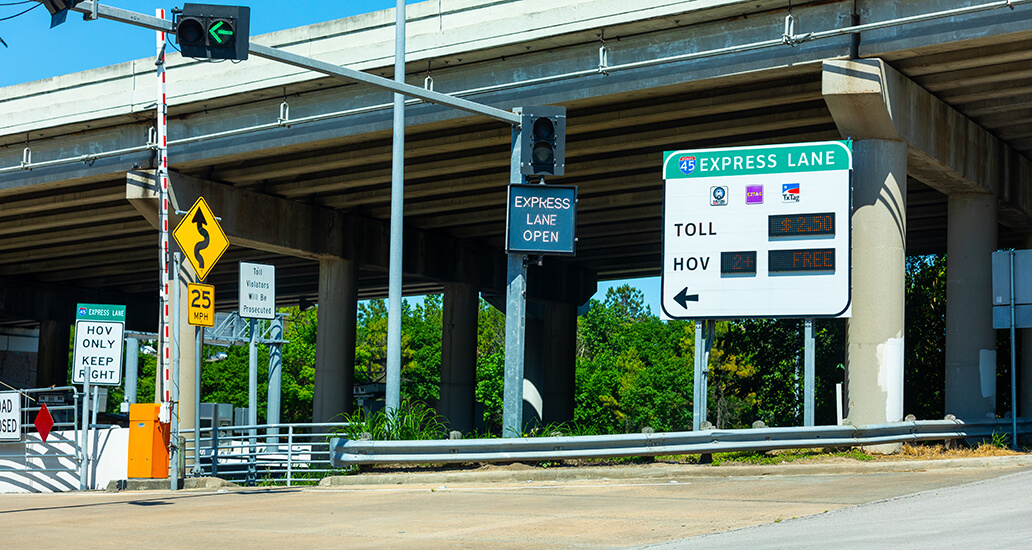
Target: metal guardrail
<point x="347" y="452"/>
<point x="61" y="454"/>
<point x="267" y="454"/>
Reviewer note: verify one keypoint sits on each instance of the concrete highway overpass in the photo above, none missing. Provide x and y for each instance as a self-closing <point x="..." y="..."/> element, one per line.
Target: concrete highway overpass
<point x="938" y="108"/>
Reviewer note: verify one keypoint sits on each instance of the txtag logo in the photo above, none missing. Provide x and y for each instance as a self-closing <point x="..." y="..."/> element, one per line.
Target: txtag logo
<point x="790" y="192"/>
<point x="686" y="165"/>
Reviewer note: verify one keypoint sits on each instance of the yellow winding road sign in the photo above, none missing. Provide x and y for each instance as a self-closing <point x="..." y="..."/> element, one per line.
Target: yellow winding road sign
<point x="201" y="238"/>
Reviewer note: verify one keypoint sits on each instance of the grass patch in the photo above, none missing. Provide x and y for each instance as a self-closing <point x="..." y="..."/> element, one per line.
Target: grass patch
<point x="790" y="455"/>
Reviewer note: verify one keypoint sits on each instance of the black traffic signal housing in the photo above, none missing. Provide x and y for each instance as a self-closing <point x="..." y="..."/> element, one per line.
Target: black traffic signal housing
<point x="543" y="141"/>
<point x="58" y="10"/>
<point x="213" y="32"/>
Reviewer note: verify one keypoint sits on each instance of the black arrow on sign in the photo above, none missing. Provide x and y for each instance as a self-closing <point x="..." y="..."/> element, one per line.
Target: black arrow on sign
<point x="683" y="298"/>
<point x="201" y="222"/>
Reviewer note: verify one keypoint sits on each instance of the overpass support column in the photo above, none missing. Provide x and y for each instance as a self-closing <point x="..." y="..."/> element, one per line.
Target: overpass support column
<point x="335" y="339"/>
<point x="559" y="343"/>
<point x="187" y="407"/>
<point x="856" y="93"/>
<point x="548" y="383"/>
<point x="52" y="359"/>
<point x="970" y="337"/>
<point x="459" y="356"/>
<point x="874" y="353"/>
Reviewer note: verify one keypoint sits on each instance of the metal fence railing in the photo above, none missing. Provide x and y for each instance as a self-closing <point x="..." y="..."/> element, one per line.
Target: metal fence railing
<point x="347" y="452"/>
<point x="265" y="454"/>
<point x="54" y="464"/>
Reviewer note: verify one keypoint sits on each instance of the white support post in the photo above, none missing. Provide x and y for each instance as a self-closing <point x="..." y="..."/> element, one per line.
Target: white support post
<point x="164" y="335"/>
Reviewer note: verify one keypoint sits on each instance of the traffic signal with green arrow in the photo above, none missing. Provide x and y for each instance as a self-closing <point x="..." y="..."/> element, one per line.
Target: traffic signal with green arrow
<point x="213" y="32"/>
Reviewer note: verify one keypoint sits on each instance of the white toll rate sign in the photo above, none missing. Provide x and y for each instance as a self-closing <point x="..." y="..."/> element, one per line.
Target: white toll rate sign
<point x="757" y="231"/>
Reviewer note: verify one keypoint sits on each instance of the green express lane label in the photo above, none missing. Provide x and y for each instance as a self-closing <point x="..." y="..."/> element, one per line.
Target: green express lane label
<point x="740" y="161"/>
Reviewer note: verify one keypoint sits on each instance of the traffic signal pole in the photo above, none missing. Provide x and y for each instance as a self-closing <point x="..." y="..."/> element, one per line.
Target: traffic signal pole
<point x="515" y="315"/>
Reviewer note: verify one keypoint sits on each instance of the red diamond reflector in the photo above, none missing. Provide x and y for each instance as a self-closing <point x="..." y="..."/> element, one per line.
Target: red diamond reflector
<point x="44" y="422"/>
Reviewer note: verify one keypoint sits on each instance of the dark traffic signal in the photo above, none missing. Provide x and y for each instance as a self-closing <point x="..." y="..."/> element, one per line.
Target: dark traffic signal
<point x="543" y="141"/>
<point x="213" y="32"/>
<point x="58" y="10"/>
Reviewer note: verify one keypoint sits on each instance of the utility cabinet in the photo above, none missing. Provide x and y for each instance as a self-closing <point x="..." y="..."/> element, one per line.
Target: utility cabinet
<point x="148" y="442"/>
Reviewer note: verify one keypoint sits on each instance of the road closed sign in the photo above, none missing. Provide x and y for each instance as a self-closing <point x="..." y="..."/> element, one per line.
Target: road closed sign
<point x="757" y="231"/>
<point x="10" y="416"/>
<point x="98" y="344"/>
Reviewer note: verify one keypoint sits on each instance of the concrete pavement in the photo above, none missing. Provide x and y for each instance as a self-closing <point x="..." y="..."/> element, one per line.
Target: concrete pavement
<point x="601" y="507"/>
<point x="992" y="513"/>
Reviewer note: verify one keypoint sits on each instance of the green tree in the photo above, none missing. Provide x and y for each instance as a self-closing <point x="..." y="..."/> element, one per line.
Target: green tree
<point x="490" y="364"/>
<point x="924" y="376"/>
<point x="298" y="386"/>
<point x="633" y="370"/>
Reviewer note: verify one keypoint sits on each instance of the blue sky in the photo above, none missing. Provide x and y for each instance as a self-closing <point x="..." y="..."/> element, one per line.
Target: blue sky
<point x="35" y="51"/>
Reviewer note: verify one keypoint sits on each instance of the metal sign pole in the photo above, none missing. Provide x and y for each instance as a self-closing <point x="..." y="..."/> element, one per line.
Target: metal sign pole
<point x="198" y="350"/>
<point x="274" y="395"/>
<point x="394" y="275"/>
<point x="84" y="465"/>
<point x="1014" y="383"/>
<point x="252" y="400"/>
<point x="515" y="318"/>
<point x="702" y="345"/>
<point x="808" y="372"/>
<point x="173" y="403"/>
<point x="132" y="368"/>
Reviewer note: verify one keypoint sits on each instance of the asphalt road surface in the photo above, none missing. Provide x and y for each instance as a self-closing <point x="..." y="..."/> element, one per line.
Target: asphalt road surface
<point x="994" y="513"/>
<point x="632" y="507"/>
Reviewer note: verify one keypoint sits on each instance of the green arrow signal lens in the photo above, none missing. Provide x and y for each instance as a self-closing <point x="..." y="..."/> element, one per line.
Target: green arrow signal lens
<point x="221" y="32"/>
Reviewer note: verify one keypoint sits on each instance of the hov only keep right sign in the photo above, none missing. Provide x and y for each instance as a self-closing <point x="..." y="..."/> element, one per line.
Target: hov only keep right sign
<point x="98" y="348"/>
